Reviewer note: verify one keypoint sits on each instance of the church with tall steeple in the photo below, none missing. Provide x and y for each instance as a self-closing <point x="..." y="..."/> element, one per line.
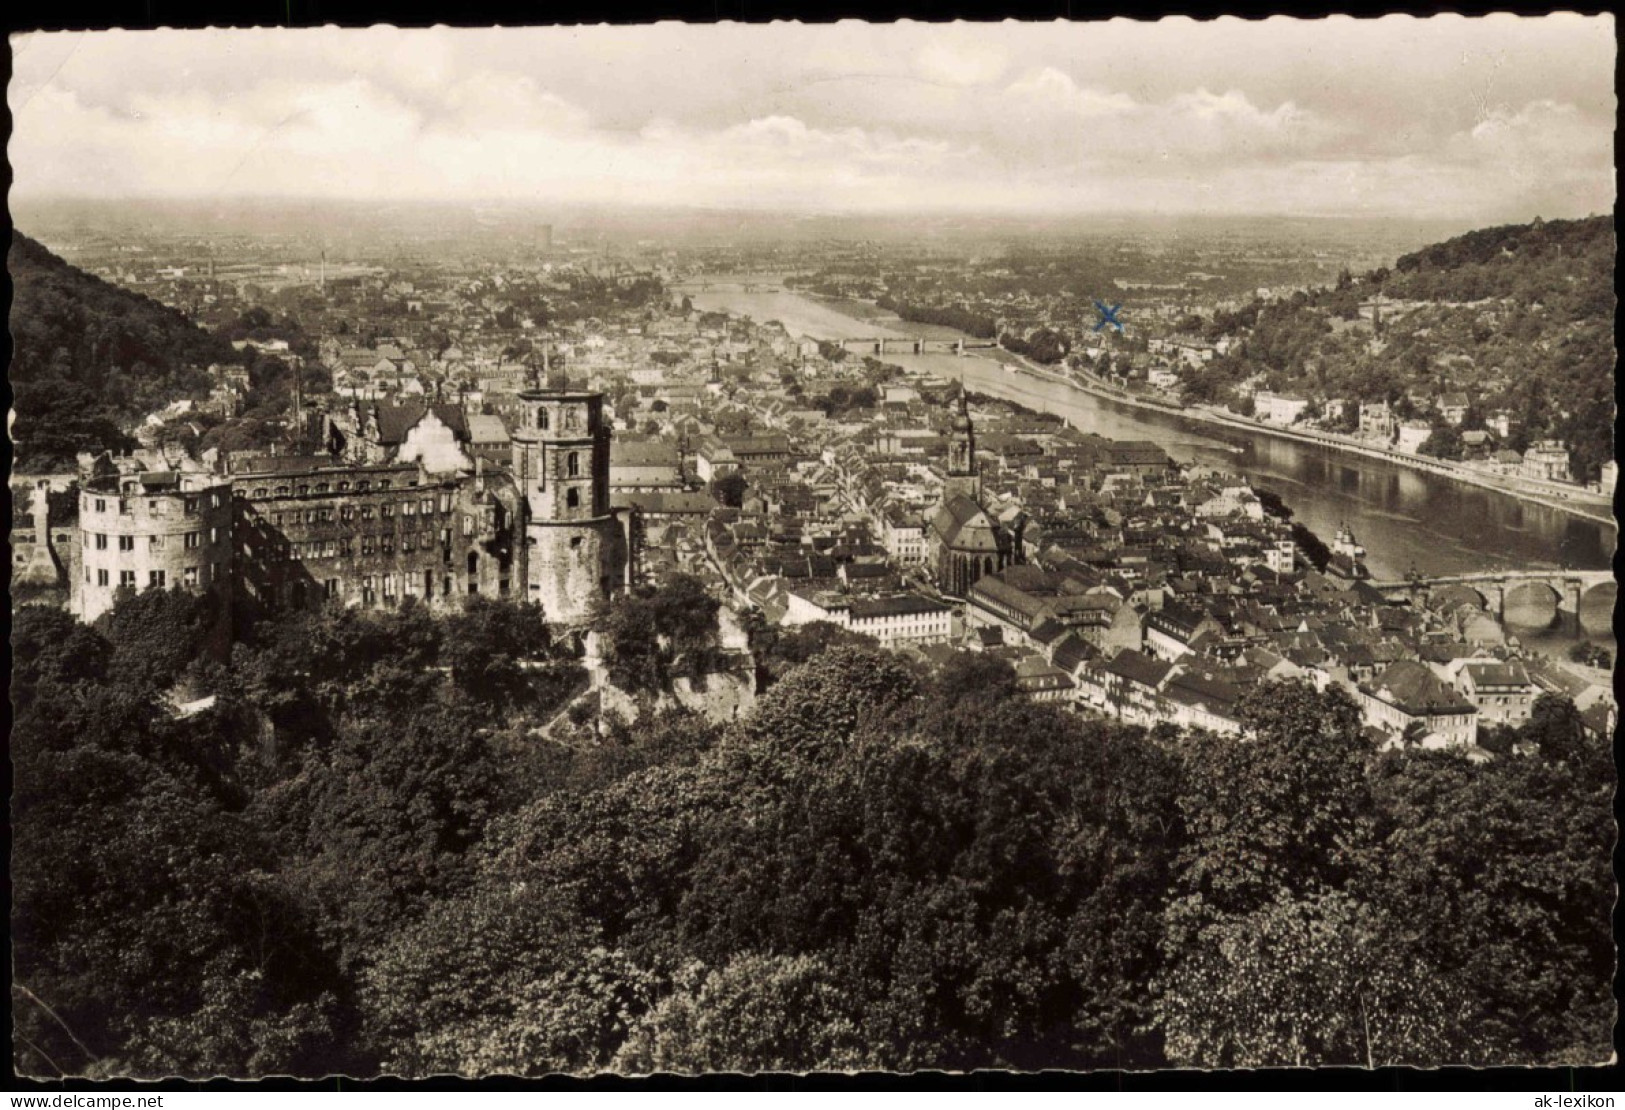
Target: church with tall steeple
<point x="965" y="541"/>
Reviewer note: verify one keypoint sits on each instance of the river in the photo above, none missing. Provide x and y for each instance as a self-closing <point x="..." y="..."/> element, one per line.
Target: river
<point x="1406" y="519"/>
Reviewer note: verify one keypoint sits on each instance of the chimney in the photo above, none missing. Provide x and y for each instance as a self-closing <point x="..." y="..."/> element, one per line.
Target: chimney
<point x="42" y="515"/>
<point x="298" y="399"/>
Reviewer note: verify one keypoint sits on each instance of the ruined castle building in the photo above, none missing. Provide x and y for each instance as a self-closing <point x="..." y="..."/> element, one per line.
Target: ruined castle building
<point x="575" y="548"/>
<point x="151" y="531"/>
<point x="370" y="536"/>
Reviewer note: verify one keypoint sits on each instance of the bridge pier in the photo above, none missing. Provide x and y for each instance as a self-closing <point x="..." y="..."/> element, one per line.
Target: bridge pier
<point x="1534" y="598"/>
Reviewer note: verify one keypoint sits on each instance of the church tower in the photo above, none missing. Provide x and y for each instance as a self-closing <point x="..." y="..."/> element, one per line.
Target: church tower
<point x="965" y="543"/>
<point x="962" y="476"/>
<point x="575" y="549"/>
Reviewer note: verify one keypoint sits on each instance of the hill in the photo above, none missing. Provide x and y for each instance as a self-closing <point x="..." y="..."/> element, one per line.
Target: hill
<point x="90" y="358"/>
<point x="1518" y="318"/>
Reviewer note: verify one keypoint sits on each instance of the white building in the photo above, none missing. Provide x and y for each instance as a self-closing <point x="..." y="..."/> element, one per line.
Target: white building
<point x="1502" y="691"/>
<point x="906" y="618"/>
<point x="1278" y="408"/>
<point x="1412" y="434"/>
<point x="905" y="542"/>
<point x="1377" y="419"/>
<point x="1162" y="378"/>
<point x="1546" y="460"/>
<point x="1280" y="556"/>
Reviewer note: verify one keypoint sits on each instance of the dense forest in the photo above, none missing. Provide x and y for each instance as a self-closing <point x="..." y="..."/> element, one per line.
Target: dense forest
<point x="966" y="320"/>
<point x="404" y="842"/>
<point x="88" y="357"/>
<point x="1519" y="318"/>
<point x="1044" y="345"/>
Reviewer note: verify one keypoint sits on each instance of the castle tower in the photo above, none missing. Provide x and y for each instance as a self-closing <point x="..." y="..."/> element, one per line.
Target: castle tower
<point x="575" y="549"/>
<point x="962" y="477"/>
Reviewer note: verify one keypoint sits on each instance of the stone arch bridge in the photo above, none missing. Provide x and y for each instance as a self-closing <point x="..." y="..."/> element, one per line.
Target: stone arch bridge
<point x="1531" y="598"/>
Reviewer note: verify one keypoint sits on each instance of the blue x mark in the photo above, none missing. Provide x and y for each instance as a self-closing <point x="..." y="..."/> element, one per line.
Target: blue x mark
<point x="1109" y="316"/>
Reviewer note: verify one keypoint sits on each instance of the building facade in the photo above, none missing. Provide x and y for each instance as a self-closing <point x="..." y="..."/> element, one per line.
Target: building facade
<point x="906" y="619"/>
<point x="371" y="537"/>
<point x="1408" y="694"/>
<point x="1546" y="460"/>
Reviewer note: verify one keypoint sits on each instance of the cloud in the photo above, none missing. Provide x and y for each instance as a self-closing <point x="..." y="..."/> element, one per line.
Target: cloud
<point x="960" y="63"/>
<point x="1537" y="132"/>
<point x="1465" y="116"/>
<point x="1049" y="91"/>
<point x="1085" y="127"/>
<point x="508" y="101"/>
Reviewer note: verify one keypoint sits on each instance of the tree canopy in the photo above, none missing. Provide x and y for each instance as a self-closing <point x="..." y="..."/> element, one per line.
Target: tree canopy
<point x="385" y="846"/>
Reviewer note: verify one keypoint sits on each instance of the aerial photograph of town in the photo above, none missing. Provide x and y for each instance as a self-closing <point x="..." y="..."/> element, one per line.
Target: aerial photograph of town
<point x="851" y="548"/>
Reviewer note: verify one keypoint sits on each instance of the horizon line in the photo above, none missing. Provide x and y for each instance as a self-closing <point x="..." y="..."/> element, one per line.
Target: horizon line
<point x="933" y="213"/>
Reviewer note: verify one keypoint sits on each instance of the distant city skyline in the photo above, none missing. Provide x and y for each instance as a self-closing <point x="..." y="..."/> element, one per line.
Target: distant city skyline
<point x="1480" y="120"/>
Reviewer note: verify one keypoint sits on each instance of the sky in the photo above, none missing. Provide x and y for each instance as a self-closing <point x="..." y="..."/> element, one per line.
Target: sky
<point x="1492" y="119"/>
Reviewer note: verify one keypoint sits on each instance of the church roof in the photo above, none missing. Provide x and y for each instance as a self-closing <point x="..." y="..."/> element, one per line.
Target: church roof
<point x="486" y="429"/>
<point x="962" y="525"/>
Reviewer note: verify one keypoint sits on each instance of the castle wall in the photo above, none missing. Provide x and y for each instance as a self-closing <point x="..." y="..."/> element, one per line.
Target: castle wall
<point x="571" y="565"/>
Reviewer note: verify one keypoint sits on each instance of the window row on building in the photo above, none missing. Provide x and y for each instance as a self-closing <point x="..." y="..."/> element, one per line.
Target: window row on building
<point x="346" y="547"/>
<point x="198" y="576"/>
<point x="163" y="506"/>
<point x="305" y="489"/>
<point x="388" y="510"/>
<point x="99" y="541"/>
<point x="369" y="590"/>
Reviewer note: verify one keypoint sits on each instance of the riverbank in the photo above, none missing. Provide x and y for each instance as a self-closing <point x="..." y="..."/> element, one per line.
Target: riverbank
<point x="1575" y="501"/>
<point x="1581" y="503"/>
<point x="1408" y="518"/>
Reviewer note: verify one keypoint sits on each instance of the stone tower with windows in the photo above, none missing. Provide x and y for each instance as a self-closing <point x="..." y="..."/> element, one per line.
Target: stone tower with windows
<point x="574" y="550"/>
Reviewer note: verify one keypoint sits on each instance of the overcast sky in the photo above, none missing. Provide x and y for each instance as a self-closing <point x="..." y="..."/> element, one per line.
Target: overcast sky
<point x="1485" y="119"/>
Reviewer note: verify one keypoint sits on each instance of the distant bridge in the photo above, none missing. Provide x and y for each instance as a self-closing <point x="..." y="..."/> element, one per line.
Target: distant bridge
<point x="1531" y="598"/>
<point x="727" y="286"/>
<point x="904" y="345"/>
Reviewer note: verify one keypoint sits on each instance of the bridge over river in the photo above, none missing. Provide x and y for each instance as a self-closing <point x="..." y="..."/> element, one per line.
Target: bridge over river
<point x="913" y="345"/>
<point x="1530" y="598"/>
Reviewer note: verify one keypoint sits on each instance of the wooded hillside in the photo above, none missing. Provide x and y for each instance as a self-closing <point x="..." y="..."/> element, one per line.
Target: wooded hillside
<point x="89" y="357"/>
<point x="1519" y="318"/>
